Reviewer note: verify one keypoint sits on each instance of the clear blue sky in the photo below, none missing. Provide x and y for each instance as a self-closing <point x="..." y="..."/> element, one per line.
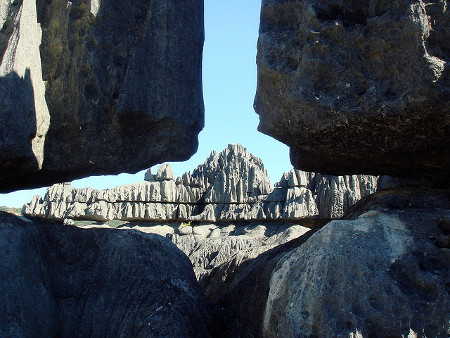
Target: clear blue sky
<point x="229" y="86"/>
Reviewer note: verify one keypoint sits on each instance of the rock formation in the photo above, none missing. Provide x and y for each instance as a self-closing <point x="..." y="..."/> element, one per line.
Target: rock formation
<point x="357" y="86"/>
<point x="211" y="246"/>
<point x="97" y="87"/>
<point x="63" y="281"/>
<point x="230" y="186"/>
<point x="384" y="271"/>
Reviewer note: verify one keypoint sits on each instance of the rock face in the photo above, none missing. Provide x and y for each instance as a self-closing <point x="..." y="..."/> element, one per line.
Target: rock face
<point x="95" y="283"/>
<point x="211" y="246"/>
<point x="382" y="272"/>
<point x="230" y="186"/>
<point x="357" y="86"/>
<point x="96" y="87"/>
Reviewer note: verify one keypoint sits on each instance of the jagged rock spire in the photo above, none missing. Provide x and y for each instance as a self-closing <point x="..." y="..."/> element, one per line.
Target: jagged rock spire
<point x="233" y="176"/>
<point x="230" y="185"/>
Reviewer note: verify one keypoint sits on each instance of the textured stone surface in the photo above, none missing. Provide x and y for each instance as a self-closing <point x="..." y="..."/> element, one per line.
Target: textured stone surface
<point x="383" y="271"/>
<point x="229" y="186"/>
<point x="357" y="86"/>
<point x="211" y="246"/>
<point x="69" y="282"/>
<point x="96" y="87"/>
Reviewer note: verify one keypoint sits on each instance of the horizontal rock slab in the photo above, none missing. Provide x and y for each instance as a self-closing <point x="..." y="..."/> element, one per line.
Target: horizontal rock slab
<point x="97" y="87"/>
<point x="95" y="283"/>
<point x="357" y="86"/>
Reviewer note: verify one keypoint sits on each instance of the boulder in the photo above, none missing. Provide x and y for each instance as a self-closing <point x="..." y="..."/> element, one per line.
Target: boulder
<point x="357" y="86"/>
<point x="97" y="87"/>
<point x="383" y="270"/>
<point x="70" y="282"/>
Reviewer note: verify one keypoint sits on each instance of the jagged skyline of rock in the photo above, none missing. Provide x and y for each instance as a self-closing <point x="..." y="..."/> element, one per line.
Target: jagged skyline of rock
<point x="229" y="186"/>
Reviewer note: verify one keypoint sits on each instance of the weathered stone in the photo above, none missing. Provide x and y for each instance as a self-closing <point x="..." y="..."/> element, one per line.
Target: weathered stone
<point x="299" y="202"/>
<point x="357" y="86"/>
<point x="383" y="271"/>
<point x="210" y="246"/>
<point x="165" y="173"/>
<point x="70" y="282"/>
<point x="233" y="176"/>
<point x="149" y="176"/>
<point x="97" y="87"/>
<point x="230" y="186"/>
<point x="335" y="194"/>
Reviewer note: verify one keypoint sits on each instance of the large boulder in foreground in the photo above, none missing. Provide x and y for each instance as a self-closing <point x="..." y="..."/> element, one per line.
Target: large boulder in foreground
<point x="63" y="281"/>
<point x="383" y="272"/>
<point x="97" y="87"/>
<point x="357" y="86"/>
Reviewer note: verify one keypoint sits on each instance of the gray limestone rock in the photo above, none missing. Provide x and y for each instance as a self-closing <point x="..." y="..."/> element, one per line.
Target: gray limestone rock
<point x="233" y="176"/>
<point x="165" y="173"/>
<point x="149" y="176"/>
<point x="299" y="202"/>
<point x="70" y="282"/>
<point x="335" y="194"/>
<point x="229" y="186"/>
<point x="97" y="87"/>
<point x="357" y="86"/>
<point x="210" y="246"/>
<point x="383" y="270"/>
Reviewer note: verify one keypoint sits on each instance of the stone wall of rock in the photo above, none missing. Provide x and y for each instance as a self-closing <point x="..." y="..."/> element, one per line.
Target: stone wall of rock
<point x="97" y="87"/>
<point x="357" y="86"/>
<point x="230" y="186"/>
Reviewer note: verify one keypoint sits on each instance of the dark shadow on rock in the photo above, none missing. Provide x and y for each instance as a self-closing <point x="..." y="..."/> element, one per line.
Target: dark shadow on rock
<point x="63" y="281"/>
<point x="17" y="126"/>
<point x="242" y="290"/>
<point x="120" y="99"/>
<point x="8" y="25"/>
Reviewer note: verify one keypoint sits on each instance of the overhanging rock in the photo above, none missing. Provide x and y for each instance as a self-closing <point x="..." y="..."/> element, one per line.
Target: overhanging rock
<point x="357" y="86"/>
<point x="97" y="87"/>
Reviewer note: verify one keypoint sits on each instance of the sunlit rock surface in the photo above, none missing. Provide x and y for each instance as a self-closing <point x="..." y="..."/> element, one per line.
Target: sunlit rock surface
<point x="97" y="87"/>
<point x="230" y="186"/>
<point x="383" y="271"/>
<point x="357" y="86"/>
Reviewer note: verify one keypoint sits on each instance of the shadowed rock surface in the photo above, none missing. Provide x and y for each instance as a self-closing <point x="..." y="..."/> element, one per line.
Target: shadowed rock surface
<point x="97" y="87"/>
<point x="357" y="86"/>
<point x="63" y="281"/>
<point x="230" y="186"/>
<point x="384" y="272"/>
